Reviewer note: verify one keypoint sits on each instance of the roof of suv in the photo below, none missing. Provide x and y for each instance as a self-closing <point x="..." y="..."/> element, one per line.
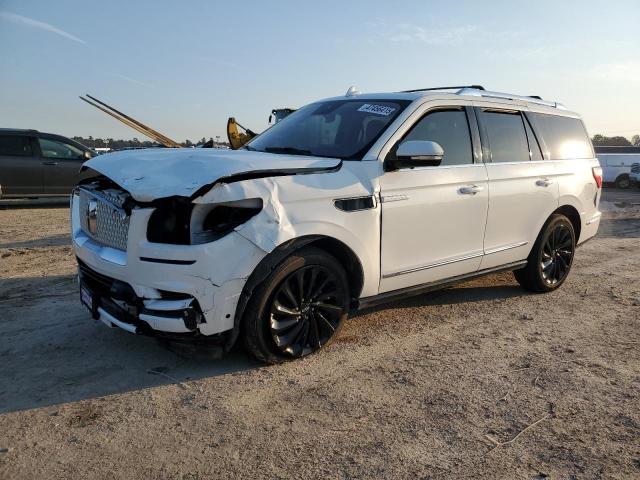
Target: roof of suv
<point x="472" y="92"/>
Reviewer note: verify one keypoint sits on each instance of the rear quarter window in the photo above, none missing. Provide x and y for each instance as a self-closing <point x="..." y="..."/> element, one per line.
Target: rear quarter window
<point x="15" y="146"/>
<point x="565" y="137"/>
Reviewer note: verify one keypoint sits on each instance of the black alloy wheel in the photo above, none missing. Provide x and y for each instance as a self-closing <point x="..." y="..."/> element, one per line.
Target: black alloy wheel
<point x="306" y="310"/>
<point x="298" y="308"/>
<point x="551" y="257"/>
<point x="557" y="254"/>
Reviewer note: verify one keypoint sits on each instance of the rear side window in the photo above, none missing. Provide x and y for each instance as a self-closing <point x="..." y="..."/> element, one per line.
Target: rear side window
<point x="507" y="136"/>
<point x="450" y="129"/>
<point x="16" y="146"/>
<point x="565" y="137"/>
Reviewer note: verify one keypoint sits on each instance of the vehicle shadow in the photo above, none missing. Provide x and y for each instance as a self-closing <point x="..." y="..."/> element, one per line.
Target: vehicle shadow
<point x="50" y="241"/>
<point x="498" y="286"/>
<point x="54" y="202"/>
<point x="52" y="352"/>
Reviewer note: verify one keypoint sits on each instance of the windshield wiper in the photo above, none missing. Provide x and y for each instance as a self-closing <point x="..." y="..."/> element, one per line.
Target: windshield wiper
<point x="288" y="150"/>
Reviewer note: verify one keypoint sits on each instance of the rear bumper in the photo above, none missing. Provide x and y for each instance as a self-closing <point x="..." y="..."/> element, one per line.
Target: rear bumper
<point x="589" y="228"/>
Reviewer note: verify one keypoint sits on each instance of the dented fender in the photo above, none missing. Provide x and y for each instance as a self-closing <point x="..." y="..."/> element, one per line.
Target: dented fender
<point x="300" y="206"/>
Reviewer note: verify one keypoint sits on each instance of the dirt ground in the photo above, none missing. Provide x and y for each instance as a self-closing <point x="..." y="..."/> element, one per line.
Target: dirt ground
<point x="478" y="381"/>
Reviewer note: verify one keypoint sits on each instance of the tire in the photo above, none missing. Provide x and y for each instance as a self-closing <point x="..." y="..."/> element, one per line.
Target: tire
<point x="551" y="257"/>
<point x="623" y="182"/>
<point x="298" y="309"/>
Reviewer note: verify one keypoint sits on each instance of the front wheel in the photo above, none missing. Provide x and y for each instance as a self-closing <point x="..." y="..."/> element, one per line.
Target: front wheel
<point x="551" y="257"/>
<point x="298" y="309"/>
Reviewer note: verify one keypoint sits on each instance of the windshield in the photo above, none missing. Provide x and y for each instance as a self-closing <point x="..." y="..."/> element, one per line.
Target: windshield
<point x="343" y="129"/>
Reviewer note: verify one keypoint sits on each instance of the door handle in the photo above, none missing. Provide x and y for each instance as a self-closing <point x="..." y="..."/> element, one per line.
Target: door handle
<point x="53" y="164"/>
<point x="543" y="182"/>
<point x="470" y="189"/>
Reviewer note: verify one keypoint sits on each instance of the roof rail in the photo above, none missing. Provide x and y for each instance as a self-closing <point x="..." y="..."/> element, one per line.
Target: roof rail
<point x="508" y="96"/>
<point x="459" y="87"/>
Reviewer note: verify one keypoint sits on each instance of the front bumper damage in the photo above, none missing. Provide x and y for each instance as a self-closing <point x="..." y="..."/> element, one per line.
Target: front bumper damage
<point x="115" y="303"/>
<point x="178" y="291"/>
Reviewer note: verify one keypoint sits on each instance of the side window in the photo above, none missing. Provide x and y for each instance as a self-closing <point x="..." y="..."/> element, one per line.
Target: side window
<point x="15" y="146"/>
<point x="534" y="146"/>
<point x="56" y="149"/>
<point x="507" y="136"/>
<point x="450" y="129"/>
<point x="566" y="137"/>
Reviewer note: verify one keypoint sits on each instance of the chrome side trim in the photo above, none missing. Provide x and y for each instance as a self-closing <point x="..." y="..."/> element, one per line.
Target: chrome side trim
<point x="393" y="198"/>
<point x="505" y="247"/>
<point x="434" y="265"/>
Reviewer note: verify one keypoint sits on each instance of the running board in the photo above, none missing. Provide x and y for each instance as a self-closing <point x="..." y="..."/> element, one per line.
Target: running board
<point x="394" y="295"/>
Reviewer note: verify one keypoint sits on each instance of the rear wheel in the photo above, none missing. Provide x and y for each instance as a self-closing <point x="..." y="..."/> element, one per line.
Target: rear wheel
<point x="623" y="182"/>
<point x="298" y="309"/>
<point x="551" y="257"/>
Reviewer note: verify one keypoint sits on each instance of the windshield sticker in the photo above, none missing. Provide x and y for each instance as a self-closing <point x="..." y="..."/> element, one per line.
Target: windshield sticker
<point x="377" y="109"/>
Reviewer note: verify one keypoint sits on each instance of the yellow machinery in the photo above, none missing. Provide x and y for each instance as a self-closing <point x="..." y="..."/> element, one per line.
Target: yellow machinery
<point x="237" y="138"/>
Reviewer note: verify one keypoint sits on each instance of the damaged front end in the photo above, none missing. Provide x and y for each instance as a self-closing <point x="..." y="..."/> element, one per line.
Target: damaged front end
<point x="168" y="268"/>
<point x="174" y="263"/>
<point x="116" y="303"/>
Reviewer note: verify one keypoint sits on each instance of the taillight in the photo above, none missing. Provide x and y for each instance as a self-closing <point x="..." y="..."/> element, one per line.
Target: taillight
<point x="597" y="176"/>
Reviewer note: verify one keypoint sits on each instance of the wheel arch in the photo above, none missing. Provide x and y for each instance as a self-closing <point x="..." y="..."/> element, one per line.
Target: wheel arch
<point x="573" y="215"/>
<point x="338" y="249"/>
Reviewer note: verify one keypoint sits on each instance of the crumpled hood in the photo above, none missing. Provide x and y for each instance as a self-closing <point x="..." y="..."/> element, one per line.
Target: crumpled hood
<point x="164" y="172"/>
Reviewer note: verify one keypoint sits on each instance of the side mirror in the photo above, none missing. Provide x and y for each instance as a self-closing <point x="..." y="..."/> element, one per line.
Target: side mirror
<point x="417" y="153"/>
<point x="87" y="155"/>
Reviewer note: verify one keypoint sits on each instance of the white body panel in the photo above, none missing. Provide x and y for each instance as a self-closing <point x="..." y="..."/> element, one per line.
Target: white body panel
<point x="422" y="228"/>
<point x="522" y="196"/>
<point x="430" y="230"/>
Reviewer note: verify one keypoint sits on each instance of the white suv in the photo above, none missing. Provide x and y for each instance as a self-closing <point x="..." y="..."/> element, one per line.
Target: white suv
<point x="344" y="204"/>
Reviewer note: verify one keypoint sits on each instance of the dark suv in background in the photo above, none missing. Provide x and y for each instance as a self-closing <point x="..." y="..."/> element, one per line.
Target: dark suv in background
<point x="36" y="164"/>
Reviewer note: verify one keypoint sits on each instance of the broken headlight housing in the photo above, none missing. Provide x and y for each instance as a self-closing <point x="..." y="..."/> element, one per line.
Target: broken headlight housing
<point x="180" y="222"/>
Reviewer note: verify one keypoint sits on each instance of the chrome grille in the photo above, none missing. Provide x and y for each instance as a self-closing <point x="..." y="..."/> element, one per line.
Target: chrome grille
<point x="111" y="222"/>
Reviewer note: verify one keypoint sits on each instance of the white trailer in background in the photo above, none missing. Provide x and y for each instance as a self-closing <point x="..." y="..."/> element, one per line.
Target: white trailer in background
<point x="616" y="164"/>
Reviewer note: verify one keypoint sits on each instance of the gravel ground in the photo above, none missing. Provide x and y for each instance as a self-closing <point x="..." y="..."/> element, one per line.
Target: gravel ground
<point x="478" y="381"/>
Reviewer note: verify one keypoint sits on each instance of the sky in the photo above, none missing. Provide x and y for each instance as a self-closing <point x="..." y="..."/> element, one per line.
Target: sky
<point x="185" y="67"/>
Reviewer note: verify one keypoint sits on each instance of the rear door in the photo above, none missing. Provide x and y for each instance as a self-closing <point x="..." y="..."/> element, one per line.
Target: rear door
<point x="20" y="169"/>
<point x="523" y="189"/>
<point x="61" y="162"/>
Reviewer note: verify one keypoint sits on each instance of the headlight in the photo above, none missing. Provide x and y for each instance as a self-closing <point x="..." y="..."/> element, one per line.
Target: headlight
<point x="178" y="221"/>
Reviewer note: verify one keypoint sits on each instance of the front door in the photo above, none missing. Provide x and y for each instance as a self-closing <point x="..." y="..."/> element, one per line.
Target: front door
<point x="61" y="164"/>
<point x="433" y="218"/>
